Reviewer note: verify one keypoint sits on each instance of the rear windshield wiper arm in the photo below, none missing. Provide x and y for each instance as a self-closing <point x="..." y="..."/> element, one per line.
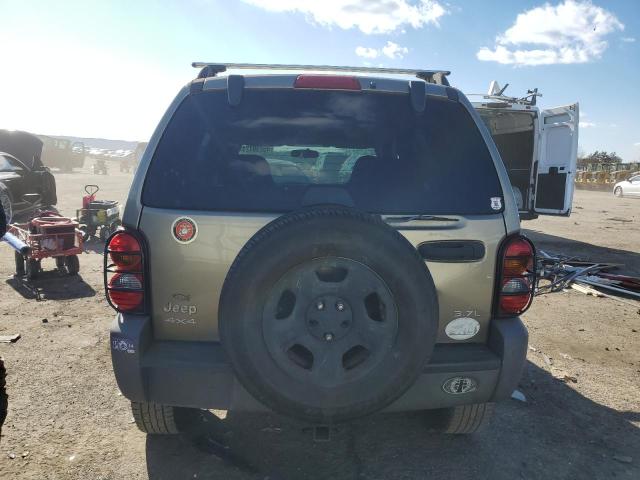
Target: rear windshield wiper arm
<point x="411" y="218"/>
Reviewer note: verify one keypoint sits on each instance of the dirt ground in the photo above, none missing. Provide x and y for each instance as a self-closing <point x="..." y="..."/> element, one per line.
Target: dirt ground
<point x="67" y="419"/>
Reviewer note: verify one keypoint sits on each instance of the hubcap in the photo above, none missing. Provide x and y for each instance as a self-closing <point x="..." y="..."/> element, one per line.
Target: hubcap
<point x="329" y="321"/>
<point x="329" y="324"/>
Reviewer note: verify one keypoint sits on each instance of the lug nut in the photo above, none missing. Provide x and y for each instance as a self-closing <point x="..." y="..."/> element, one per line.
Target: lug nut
<point x="320" y="305"/>
<point x="328" y="337"/>
<point x="340" y="306"/>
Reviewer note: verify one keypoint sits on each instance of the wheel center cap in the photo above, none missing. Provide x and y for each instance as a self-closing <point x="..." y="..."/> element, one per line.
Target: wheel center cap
<point x="329" y="318"/>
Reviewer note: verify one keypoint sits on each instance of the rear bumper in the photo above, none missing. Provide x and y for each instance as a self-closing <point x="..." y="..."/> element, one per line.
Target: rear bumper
<point x="197" y="374"/>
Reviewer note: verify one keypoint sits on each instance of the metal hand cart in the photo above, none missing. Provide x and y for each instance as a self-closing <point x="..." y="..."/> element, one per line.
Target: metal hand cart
<point x="46" y="236"/>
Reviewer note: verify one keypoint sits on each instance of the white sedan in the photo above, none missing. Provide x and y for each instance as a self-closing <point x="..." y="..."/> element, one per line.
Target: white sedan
<point x="628" y="188"/>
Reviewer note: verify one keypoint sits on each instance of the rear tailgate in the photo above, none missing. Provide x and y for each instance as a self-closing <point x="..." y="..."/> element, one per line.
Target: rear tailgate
<point x="187" y="277"/>
<point x="283" y="149"/>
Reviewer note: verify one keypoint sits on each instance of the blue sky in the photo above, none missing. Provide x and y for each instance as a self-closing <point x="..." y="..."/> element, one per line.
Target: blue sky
<point x="109" y="69"/>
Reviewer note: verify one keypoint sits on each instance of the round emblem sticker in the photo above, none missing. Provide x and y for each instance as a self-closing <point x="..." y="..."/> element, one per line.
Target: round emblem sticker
<point x="184" y="230"/>
<point x="462" y="328"/>
<point x="459" y="385"/>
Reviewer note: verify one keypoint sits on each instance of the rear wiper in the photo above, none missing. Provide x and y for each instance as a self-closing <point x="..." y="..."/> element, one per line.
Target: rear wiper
<point x="411" y="218"/>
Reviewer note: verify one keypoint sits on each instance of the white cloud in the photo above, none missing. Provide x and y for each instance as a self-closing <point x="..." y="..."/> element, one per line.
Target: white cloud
<point x="637" y="144"/>
<point x="628" y="39"/>
<point x="370" y="16"/>
<point x="366" y="52"/>
<point x="587" y="124"/>
<point x="393" y="50"/>
<point x="573" y="31"/>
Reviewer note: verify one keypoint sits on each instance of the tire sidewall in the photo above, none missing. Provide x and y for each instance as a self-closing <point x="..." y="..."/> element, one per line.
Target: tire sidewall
<point x="375" y="245"/>
<point x="5" y="204"/>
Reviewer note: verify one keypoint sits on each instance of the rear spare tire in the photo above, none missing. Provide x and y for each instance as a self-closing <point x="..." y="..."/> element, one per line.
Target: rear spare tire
<point x="328" y="314"/>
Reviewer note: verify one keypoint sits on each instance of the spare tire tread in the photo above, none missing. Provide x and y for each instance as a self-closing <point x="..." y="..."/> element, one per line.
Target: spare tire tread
<point x="288" y="406"/>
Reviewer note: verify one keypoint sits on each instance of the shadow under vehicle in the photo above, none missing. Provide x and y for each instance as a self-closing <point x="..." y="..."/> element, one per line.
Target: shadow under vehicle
<point x="533" y="440"/>
<point x="22" y="174"/>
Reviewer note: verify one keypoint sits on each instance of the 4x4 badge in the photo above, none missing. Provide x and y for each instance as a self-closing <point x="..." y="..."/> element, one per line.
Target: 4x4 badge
<point x="184" y="230"/>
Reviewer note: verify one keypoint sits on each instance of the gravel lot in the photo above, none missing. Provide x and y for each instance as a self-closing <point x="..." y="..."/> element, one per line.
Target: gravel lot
<point x="67" y="419"/>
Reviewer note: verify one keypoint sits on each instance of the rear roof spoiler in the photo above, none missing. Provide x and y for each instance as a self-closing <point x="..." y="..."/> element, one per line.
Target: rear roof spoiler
<point x="438" y="77"/>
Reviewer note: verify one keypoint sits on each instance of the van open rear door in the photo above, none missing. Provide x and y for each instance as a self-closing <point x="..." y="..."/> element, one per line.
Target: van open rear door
<point x="557" y="153"/>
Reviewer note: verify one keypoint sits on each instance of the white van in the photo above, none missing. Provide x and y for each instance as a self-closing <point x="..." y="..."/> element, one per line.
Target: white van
<point x="538" y="147"/>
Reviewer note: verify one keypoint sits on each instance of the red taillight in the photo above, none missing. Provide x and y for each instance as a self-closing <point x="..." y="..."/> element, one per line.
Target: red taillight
<point x="514" y="304"/>
<point x="328" y="82"/>
<point x="125" y="291"/>
<point x="516" y="276"/>
<point x="124" y="250"/>
<point x="124" y="277"/>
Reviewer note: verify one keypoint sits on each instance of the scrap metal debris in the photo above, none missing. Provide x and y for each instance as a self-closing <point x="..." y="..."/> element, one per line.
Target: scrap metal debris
<point x="559" y="272"/>
<point x="9" y="338"/>
<point x="518" y="395"/>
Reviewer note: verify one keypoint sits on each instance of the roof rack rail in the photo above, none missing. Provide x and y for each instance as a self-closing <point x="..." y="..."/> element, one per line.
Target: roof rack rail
<point x="211" y="69"/>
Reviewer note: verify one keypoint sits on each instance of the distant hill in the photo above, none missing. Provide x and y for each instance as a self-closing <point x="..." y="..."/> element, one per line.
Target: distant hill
<point x="103" y="143"/>
<point x="104" y="147"/>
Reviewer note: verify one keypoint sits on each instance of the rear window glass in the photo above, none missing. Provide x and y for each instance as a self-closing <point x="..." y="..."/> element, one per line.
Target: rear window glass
<point x="280" y="150"/>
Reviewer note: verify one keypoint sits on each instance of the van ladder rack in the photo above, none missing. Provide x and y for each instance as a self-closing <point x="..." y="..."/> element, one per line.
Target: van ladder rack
<point x="211" y="69"/>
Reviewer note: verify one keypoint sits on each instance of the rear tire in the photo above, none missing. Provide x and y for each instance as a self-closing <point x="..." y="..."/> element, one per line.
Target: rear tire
<point x="72" y="262"/>
<point x="462" y="419"/>
<point x="4" y="399"/>
<point x="33" y="268"/>
<point x="85" y="233"/>
<point x="19" y="264"/>
<point x="618" y="192"/>
<point x="5" y="204"/>
<point x="61" y="264"/>
<point x="105" y="231"/>
<point x="156" y="419"/>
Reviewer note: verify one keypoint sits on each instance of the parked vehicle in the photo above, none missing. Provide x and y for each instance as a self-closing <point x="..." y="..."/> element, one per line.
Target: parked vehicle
<point x="22" y="175"/>
<point x="126" y="164"/>
<point x="372" y="285"/>
<point x="628" y="188"/>
<point x="62" y="153"/>
<point x="100" y="167"/>
<point x="538" y="147"/>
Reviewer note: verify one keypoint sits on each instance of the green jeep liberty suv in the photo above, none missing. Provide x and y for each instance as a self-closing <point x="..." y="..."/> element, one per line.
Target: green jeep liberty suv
<point x="325" y="246"/>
